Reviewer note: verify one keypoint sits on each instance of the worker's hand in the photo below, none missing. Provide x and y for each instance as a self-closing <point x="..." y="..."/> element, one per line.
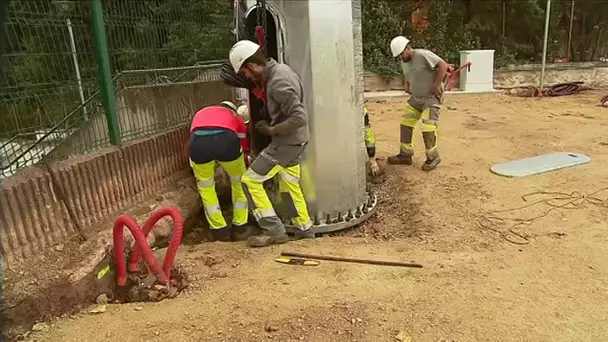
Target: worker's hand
<point x="438" y="91"/>
<point x="263" y="127"/>
<point x="374" y="167"/>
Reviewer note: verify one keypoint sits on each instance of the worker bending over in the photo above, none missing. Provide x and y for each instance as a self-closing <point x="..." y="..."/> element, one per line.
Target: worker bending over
<point x="288" y="127"/>
<point x="424" y="72"/>
<point x="370" y="143"/>
<point x="218" y="135"/>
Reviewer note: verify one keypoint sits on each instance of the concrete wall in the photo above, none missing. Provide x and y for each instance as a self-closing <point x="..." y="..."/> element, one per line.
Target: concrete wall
<point x="145" y="110"/>
<point x="594" y="74"/>
<point x="35" y="205"/>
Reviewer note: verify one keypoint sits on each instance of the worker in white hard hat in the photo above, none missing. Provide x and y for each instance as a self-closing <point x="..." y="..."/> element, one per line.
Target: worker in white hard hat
<point x="218" y="136"/>
<point x="288" y="128"/>
<point x="424" y="72"/>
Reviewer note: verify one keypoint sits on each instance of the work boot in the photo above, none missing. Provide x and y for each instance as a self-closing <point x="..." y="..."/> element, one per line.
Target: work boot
<point x="431" y="164"/>
<point x="304" y="234"/>
<point x="242" y="232"/>
<point x="222" y="234"/>
<point x="399" y="159"/>
<point x="267" y="240"/>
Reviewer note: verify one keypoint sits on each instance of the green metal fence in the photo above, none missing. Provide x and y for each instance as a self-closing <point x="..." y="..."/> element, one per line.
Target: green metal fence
<point x="63" y="87"/>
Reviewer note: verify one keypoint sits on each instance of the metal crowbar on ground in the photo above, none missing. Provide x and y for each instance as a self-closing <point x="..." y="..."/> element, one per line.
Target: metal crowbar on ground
<point x="307" y="257"/>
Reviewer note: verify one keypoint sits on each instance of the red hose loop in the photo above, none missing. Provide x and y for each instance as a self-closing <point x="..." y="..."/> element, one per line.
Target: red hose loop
<point x="563" y="89"/>
<point x="176" y="239"/>
<point x="141" y="242"/>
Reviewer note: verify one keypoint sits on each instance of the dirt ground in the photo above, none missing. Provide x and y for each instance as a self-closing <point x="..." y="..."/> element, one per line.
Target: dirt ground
<point x="548" y="284"/>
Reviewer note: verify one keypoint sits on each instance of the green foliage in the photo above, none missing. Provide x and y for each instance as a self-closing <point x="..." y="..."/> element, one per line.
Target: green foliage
<point x="456" y="25"/>
<point x="381" y="19"/>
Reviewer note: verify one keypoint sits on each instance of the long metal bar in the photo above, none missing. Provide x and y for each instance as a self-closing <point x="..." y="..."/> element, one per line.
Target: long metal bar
<point x="354" y="260"/>
<point x="545" y="41"/>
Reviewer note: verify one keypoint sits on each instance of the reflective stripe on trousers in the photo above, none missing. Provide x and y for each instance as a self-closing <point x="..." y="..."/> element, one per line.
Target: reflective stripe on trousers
<point x="289" y="186"/>
<point x="205" y="176"/>
<point x="430" y="119"/>
<point x="370" y="137"/>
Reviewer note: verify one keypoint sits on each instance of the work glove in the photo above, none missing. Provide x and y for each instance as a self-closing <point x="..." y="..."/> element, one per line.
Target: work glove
<point x="374" y="167"/>
<point x="263" y="127"/>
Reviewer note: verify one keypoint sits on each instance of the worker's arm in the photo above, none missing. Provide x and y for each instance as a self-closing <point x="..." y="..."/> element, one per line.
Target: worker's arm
<point x="405" y="67"/>
<point x="284" y="93"/>
<point x="442" y="70"/>
<point x="436" y="63"/>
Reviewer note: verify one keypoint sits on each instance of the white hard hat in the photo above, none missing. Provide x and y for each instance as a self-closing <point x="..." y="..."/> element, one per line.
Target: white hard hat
<point x="228" y="104"/>
<point x="243" y="111"/>
<point x="398" y="45"/>
<point x="240" y="51"/>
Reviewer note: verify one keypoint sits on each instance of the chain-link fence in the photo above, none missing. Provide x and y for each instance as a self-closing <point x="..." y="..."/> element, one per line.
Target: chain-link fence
<point x="48" y="79"/>
<point x="51" y="100"/>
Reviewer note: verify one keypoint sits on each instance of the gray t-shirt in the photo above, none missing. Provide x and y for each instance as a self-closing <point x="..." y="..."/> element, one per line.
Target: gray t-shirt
<point x="420" y="72"/>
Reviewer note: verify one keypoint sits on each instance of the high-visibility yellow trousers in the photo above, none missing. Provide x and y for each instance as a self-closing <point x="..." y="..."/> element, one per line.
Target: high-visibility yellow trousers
<point x="290" y="192"/>
<point x="425" y="109"/>
<point x="370" y="137"/>
<point x="205" y="177"/>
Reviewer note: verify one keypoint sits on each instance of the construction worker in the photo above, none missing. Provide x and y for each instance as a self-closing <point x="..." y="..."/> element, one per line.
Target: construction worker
<point x="370" y="143"/>
<point x="424" y="72"/>
<point x="218" y="136"/>
<point x="288" y="129"/>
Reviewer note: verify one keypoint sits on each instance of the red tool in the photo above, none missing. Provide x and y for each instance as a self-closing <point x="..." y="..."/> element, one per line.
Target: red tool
<point x="141" y="245"/>
<point x="453" y="73"/>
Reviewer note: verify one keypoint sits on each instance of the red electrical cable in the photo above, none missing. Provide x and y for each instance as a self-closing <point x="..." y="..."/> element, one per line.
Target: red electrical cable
<point x="176" y="238"/>
<point x="140" y="240"/>
<point x="141" y="245"/>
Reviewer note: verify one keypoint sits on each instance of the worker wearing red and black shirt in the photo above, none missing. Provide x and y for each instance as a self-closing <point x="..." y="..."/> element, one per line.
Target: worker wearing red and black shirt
<point x="218" y="135"/>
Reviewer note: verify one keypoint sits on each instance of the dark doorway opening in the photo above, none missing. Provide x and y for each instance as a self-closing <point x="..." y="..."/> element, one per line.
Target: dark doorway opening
<point x="259" y="141"/>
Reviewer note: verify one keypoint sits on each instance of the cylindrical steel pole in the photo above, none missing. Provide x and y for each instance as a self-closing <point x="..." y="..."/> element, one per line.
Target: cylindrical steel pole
<point x="76" y="67"/>
<point x="105" y="74"/>
<point x="570" y="31"/>
<point x="545" y="41"/>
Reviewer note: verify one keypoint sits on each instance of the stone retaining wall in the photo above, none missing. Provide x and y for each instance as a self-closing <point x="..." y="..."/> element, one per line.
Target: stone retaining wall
<point x="594" y="74"/>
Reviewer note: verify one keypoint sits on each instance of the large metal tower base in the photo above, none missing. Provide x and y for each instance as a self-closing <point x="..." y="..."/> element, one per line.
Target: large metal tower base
<point x="343" y="221"/>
